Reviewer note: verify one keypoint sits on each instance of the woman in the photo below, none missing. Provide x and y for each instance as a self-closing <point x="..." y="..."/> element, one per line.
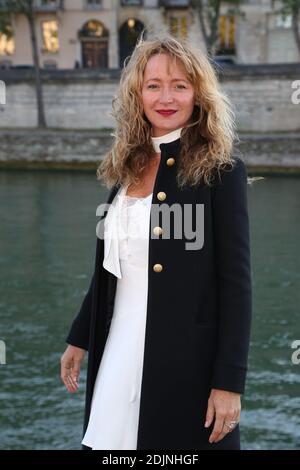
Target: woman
<point x="167" y="321"/>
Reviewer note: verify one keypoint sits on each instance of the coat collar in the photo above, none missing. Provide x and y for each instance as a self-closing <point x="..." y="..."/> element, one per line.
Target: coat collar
<point x="170" y="148"/>
<point x="167" y="150"/>
<point x="166" y="138"/>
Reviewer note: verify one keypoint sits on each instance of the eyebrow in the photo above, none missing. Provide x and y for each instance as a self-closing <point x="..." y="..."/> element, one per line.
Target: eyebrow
<point x="173" y="80"/>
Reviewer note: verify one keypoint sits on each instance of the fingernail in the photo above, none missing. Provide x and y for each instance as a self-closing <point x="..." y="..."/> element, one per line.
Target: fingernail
<point x="206" y="424"/>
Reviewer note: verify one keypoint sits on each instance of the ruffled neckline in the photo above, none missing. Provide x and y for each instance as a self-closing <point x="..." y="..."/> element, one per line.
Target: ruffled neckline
<point x="111" y="261"/>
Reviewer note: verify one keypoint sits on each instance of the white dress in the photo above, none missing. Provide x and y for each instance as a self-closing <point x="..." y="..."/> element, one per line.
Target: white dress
<point x="113" y="422"/>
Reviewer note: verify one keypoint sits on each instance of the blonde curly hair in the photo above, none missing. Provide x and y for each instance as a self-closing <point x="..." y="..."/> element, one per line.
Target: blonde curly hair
<point x="206" y="143"/>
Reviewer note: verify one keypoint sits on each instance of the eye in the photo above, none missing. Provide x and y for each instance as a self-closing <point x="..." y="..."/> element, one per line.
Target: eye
<point x="149" y="86"/>
<point x="181" y="86"/>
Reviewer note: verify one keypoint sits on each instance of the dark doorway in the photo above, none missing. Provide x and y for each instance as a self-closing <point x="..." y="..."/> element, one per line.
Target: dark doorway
<point x="128" y="36"/>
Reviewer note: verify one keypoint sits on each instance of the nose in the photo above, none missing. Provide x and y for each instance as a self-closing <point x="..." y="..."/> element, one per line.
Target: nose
<point x="166" y="96"/>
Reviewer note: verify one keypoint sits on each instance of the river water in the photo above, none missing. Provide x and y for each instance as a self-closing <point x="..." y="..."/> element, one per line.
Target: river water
<point x="47" y="238"/>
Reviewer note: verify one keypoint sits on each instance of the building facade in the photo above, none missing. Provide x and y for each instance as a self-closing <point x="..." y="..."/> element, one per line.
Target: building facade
<point x="102" y="33"/>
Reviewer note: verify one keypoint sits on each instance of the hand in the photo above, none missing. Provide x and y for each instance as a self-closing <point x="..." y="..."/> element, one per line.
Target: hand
<point x="70" y="367"/>
<point x="225" y="407"/>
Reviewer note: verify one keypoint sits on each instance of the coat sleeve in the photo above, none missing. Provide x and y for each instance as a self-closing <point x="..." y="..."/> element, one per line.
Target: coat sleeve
<point x="80" y="329"/>
<point x="232" y="247"/>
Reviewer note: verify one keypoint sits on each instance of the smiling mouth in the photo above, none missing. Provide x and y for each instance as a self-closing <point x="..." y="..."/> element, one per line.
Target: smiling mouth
<point x="166" y="113"/>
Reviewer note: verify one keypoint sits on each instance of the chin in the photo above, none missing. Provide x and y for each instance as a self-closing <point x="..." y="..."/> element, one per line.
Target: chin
<point x="168" y="125"/>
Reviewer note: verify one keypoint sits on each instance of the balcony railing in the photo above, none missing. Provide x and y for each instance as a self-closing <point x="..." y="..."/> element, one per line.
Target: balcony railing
<point x="49" y="5"/>
<point x="93" y="4"/>
<point x="127" y="3"/>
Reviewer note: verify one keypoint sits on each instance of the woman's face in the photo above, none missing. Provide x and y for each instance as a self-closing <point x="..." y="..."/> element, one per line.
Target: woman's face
<point x="166" y="87"/>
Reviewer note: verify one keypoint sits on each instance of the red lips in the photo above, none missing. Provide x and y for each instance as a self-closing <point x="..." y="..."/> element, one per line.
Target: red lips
<point x="166" y="112"/>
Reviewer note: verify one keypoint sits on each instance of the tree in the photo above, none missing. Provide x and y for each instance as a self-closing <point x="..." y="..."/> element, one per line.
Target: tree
<point x="291" y="8"/>
<point x="28" y="9"/>
<point x="5" y="27"/>
<point x="209" y="14"/>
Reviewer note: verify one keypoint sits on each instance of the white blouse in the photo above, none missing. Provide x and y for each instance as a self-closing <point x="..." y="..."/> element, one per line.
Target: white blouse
<point x="124" y="223"/>
<point x="113" y="423"/>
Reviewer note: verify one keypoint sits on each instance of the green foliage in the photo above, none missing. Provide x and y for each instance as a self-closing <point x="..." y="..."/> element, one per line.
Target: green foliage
<point x="5" y="26"/>
<point x="209" y="13"/>
<point x="288" y="7"/>
<point x="292" y="8"/>
<point x="17" y="6"/>
<point x="9" y="7"/>
<point x="290" y="3"/>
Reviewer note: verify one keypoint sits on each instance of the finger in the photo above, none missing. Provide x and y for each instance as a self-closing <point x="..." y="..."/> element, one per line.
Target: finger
<point x="74" y="376"/>
<point x="65" y="376"/>
<point x="75" y="372"/>
<point x="236" y="417"/>
<point x="72" y="387"/>
<point x="224" y="431"/>
<point x="72" y="384"/>
<point x="67" y="383"/>
<point x="65" y="367"/>
<point x="226" y="428"/>
<point x="209" y="414"/>
<point x="218" y="427"/>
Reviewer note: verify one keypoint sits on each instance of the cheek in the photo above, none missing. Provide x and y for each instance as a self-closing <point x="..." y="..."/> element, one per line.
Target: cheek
<point x="188" y="104"/>
<point x="147" y="100"/>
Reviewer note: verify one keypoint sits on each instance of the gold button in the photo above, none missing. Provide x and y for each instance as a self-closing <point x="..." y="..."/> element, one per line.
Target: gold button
<point x="161" y="196"/>
<point x="157" y="268"/>
<point x="157" y="231"/>
<point x="170" y="161"/>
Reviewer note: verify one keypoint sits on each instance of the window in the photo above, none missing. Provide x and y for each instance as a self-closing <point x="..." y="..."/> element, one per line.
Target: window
<point x="93" y="3"/>
<point x="175" y="3"/>
<point x="47" y="4"/>
<point x="226" y="34"/>
<point x="284" y="22"/>
<point x="7" y="42"/>
<point x="178" y="26"/>
<point x="131" y="2"/>
<point x="93" y="29"/>
<point x="50" y="36"/>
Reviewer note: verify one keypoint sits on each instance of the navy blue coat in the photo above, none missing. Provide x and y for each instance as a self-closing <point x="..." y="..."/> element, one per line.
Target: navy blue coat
<point x="198" y="313"/>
